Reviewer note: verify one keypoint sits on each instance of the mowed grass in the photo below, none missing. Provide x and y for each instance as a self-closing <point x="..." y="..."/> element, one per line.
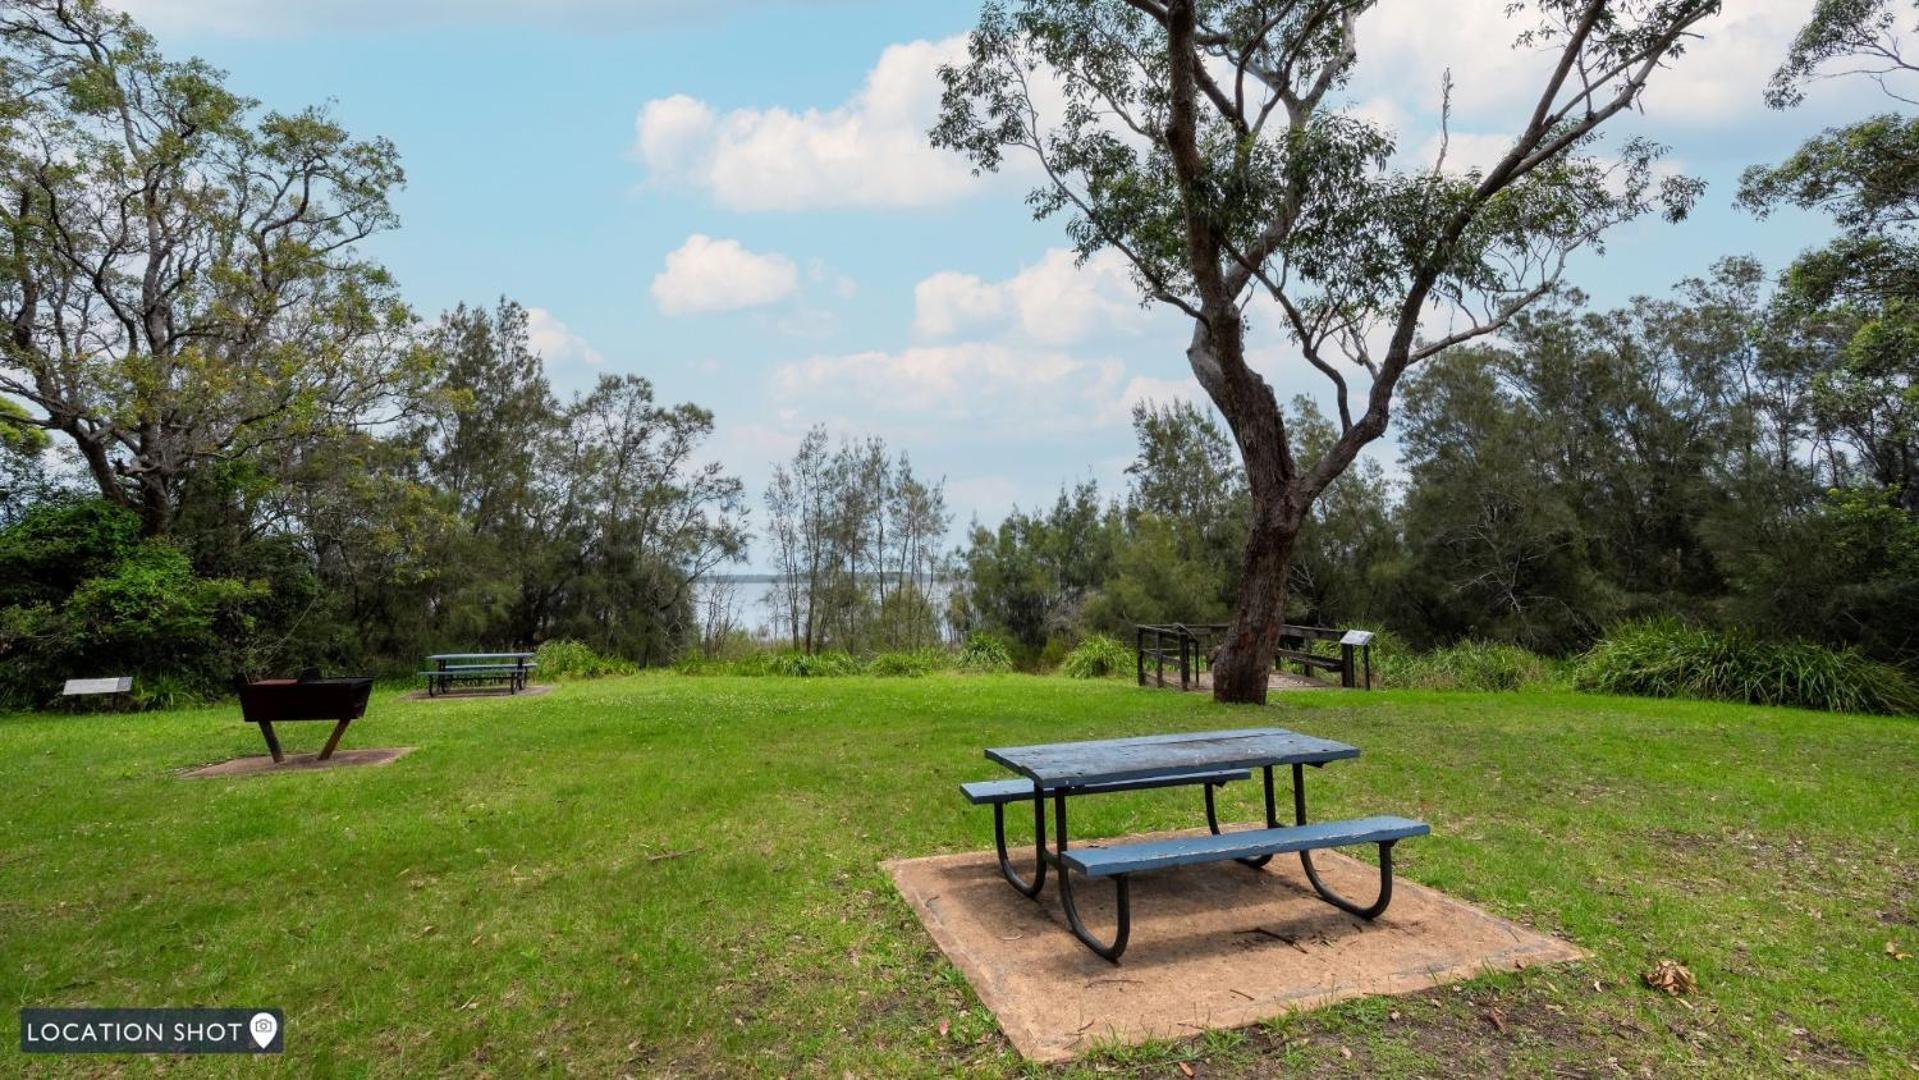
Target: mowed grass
<point x="672" y="875"/>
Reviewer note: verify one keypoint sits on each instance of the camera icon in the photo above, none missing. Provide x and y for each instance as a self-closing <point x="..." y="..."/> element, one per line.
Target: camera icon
<point x="263" y="1027"/>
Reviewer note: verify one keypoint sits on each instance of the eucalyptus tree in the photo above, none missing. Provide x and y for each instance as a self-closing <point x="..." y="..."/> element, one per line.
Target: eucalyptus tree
<point x="1852" y="307"/>
<point x="1201" y="140"/>
<point x="180" y="277"/>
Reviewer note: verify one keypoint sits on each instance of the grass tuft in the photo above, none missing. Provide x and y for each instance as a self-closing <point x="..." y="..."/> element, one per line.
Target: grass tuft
<point x="1470" y="665"/>
<point x="1668" y="659"/>
<point x="564" y="659"/>
<point x="1098" y="657"/>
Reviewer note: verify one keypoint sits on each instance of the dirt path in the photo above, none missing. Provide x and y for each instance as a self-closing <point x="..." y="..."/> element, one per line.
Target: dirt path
<point x="1277" y="681"/>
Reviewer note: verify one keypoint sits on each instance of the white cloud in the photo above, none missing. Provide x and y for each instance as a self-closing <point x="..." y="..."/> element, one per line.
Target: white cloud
<point x="994" y="386"/>
<point x="870" y="151"/>
<point x="808" y="323"/>
<point x="841" y="286"/>
<point x="949" y="303"/>
<point x="282" y="17"/>
<point x="1054" y="302"/>
<point x="1145" y="389"/>
<point x="1407" y="46"/>
<point x="556" y="342"/>
<point x="707" y="275"/>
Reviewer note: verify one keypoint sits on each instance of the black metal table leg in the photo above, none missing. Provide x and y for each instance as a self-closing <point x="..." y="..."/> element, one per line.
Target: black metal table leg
<point x="1385" y="897"/>
<point x="1030" y="890"/>
<point x="1272" y="821"/>
<point x="1109" y="953"/>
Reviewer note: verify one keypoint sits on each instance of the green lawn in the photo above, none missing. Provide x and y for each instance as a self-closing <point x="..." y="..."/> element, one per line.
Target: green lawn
<point x="679" y="875"/>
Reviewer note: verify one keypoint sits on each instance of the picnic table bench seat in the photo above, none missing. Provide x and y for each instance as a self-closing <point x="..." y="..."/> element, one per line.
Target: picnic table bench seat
<point x="1118" y="859"/>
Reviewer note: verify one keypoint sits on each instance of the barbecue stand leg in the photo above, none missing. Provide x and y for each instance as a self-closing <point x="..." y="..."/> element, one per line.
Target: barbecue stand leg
<point x="1026" y="889"/>
<point x="333" y="740"/>
<point x="1385" y="897"/>
<point x="273" y="743"/>
<point x="1108" y="953"/>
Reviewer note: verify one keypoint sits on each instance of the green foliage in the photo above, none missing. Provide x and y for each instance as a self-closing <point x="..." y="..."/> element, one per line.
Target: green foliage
<point x="794" y="664"/>
<point x="832" y="663"/>
<point x="1664" y="658"/>
<point x="1469" y="665"/>
<point x="911" y="664"/>
<point x="56" y="545"/>
<point x="985" y="652"/>
<point x="275" y="333"/>
<point x="100" y="602"/>
<point x="1029" y="578"/>
<point x="567" y="659"/>
<point x="1098" y="657"/>
<point x="857" y="538"/>
<point x="779" y="663"/>
<point x="1837" y="30"/>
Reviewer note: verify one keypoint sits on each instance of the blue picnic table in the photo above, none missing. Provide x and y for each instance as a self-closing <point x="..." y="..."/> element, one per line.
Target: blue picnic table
<point x="510" y="669"/>
<point x="1207" y="759"/>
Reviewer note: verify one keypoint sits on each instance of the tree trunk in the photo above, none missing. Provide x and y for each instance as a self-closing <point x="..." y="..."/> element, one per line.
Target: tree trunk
<point x="1246" y="656"/>
<point x="156" y="507"/>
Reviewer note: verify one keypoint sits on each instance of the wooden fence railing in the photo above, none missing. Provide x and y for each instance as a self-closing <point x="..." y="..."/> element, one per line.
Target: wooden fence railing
<point x="1188" y="649"/>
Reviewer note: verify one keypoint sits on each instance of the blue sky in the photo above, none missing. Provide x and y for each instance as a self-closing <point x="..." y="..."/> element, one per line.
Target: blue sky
<point x="733" y="197"/>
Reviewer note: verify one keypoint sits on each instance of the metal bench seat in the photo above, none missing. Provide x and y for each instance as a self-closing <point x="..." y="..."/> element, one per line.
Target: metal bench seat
<point x="1251" y="847"/>
<point x="1196" y="850"/>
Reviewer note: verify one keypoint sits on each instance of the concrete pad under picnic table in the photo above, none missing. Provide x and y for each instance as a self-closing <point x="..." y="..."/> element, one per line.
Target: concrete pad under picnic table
<point x="1216" y="946"/>
<point x="264" y="763"/>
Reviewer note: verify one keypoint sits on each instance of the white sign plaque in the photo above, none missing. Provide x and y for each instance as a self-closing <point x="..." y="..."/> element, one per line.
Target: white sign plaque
<point x="1357" y="637"/>
<point x="98" y="686"/>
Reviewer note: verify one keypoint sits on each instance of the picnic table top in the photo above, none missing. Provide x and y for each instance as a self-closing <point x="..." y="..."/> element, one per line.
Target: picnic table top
<point x="482" y="656"/>
<point x="1112" y="760"/>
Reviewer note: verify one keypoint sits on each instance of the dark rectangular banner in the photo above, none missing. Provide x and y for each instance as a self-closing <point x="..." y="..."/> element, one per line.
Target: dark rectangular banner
<point x="152" y="1031"/>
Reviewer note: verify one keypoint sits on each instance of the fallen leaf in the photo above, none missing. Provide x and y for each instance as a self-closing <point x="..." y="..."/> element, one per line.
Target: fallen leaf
<point x="1346" y="1053"/>
<point x="1394" y="1015"/>
<point x="1892" y="950"/>
<point x="1672" y="977"/>
<point x="1186" y="1069"/>
<point x="945" y="1026"/>
<point x="1496" y="1019"/>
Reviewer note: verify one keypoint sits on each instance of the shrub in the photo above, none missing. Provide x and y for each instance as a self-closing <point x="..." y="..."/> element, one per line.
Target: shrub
<point x="1469" y="665"/>
<point x="985" y="652"/>
<point x="794" y="664"/>
<point x="146" y="613"/>
<point x="1667" y="659"/>
<point x="1098" y="657"/>
<point x="565" y="659"/>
